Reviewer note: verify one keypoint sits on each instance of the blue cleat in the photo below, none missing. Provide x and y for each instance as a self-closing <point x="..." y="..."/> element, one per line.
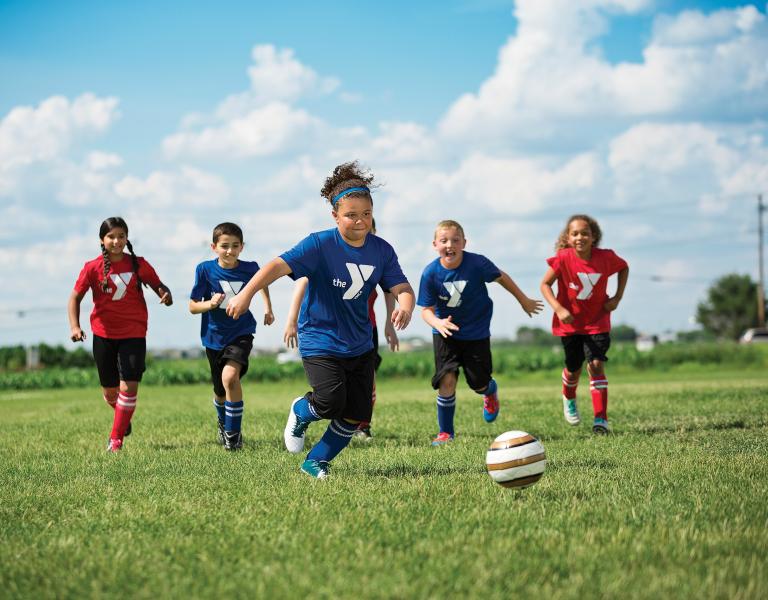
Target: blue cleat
<point x="315" y="468"/>
<point x="490" y="407"/>
<point x="601" y="426"/>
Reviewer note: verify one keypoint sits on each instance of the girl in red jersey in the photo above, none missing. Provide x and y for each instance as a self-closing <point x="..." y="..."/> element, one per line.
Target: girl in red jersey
<point x="118" y="320"/>
<point x="583" y="309"/>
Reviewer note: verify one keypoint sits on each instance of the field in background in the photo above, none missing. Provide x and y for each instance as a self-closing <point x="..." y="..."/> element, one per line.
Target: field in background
<point x="675" y="504"/>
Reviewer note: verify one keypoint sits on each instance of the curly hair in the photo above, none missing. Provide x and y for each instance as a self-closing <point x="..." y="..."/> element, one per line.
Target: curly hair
<point x="345" y="176"/>
<point x="106" y="226"/>
<point x="597" y="234"/>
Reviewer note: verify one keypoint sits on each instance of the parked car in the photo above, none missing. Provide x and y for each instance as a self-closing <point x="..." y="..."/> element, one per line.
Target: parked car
<point x="756" y="335"/>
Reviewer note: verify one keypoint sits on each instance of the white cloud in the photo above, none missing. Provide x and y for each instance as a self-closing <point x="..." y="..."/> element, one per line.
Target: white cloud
<point x="548" y="76"/>
<point x="99" y="161"/>
<point x="187" y="187"/>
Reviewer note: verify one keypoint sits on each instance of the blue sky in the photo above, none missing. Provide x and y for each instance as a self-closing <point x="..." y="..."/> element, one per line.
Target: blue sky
<point x="505" y="115"/>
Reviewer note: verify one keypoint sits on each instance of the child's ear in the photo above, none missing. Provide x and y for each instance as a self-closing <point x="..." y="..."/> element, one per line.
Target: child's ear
<point x="213" y="247"/>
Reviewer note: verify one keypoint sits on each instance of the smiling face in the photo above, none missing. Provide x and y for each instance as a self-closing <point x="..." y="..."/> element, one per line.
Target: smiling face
<point x="354" y="218"/>
<point x="449" y="243"/>
<point x="228" y="248"/>
<point x="114" y="241"/>
<point x="580" y="237"/>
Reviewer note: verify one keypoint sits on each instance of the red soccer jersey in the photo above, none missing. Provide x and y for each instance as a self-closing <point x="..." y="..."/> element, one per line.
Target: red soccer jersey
<point x="371" y="312"/>
<point x="121" y="311"/>
<point x="582" y="289"/>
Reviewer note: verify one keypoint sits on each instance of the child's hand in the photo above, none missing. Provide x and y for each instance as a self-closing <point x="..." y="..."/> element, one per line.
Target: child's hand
<point x="531" y="306"/>
<point x="77" y="335"/>
<point x="216" y="300"/>
<point x="400" y="318"/>
<point x="291" y="336"/>
<point x="564" y="315"/>
<point x="391" y="336"/>
<point x="612" y="304"/>
<point x="269" y="317"/>
<point x="238" y="305"/>
<point x="165" y="296"/>
<point x="446" y="327"/>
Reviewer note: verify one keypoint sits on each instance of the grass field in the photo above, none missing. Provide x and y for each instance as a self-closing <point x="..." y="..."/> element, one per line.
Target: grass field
<point x="674" y="504"/>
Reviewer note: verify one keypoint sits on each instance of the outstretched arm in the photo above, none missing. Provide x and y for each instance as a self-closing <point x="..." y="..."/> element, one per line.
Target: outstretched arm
<point x="529" y="305"/>
<point x="291" y="332"/>
<point x="390" y="334"/>
<point x="275" y="269"/>
<point x="76" y="334"/>
<point x="269" y="316"/>
<point x="444" y="327"/>
<point x="613" y="302"/>
<point x="546" y="290"/>
<point x="406" y="300"/>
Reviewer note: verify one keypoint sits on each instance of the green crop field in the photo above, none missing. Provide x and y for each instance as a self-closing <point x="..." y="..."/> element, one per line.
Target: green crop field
<point x="674" y="504"/>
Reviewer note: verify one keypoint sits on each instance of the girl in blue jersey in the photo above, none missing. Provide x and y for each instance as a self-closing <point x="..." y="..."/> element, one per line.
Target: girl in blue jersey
<point x="455" y="303"/>
<point x="227" y="342"/>
<point x="343" y="265"/>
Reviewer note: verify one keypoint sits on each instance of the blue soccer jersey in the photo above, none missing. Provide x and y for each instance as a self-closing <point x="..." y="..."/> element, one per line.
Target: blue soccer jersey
<point x="334" y="313"/>
<point x="461" y="293"/>
<point x="216" y="328"/>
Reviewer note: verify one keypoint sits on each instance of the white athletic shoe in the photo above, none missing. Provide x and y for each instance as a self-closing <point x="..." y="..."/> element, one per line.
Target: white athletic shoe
<point x="571" y="411"/>
<point x="294" y="430"/>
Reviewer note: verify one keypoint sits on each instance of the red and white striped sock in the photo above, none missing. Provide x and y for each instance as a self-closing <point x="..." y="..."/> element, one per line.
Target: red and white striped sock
<point x="599" y="387"/>
<point x="570" y="383"/>
<point x="126" y="405"/>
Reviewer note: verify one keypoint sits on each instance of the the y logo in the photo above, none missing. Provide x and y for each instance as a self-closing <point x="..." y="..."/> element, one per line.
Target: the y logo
<point x="121" y="281"/>
<point x="230" y="289"/>
<point x="588" y="281"/>
<point x="359" y="275"/>
<point x="455" y="288"/>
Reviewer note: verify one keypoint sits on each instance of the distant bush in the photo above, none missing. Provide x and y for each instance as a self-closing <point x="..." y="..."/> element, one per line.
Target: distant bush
<point x="508" y="359"/>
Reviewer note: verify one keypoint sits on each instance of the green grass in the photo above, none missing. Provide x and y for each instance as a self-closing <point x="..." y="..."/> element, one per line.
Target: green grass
<point x="674" y="504"/>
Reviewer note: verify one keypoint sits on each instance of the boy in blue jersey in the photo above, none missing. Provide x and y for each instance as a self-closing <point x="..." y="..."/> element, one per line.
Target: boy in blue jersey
<point x="227" y="341"/>
<point x="343" y="265"/>
<point x="455" y="303"/>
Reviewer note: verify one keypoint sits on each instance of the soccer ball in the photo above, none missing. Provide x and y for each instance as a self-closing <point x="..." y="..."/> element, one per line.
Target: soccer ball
<point x="516" y="459"/>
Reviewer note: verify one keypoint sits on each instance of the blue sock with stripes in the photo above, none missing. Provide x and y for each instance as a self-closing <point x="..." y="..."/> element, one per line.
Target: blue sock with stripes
<point x="334" y="440"/>
<point x="303" y="409"/>
<point x="446" y="407"/>
<point x="233" y="415"/>
<point x="220" y="411"/>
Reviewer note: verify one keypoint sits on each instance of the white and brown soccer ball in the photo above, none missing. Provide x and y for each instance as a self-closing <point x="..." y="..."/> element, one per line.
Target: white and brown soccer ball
<point x="516" y="459"/>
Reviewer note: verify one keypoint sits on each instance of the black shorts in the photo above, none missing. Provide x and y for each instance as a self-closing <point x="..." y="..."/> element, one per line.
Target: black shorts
<point x="119" y="360"/>
<point x="341" y="387"/>
<point x="237" y="351"/>
<point x="474" y="356"/>
<point x="579" y="347"/>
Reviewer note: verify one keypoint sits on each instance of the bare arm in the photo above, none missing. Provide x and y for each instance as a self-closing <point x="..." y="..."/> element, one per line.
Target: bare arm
<point x="613" y="302"/>
<point x="390" y="334"/>
<point x="269" y="316"/>
<point x="164" y="294"/>
<point x="444" y="327"/>
<point x="406" y="299"/>
<point x="529" y="305"/>
<point x="291" y="332"/>
<point x="200" y="306"/>
<point x="76" y="334"/>
<point x="274" y="269"/>
<point x="546" y="290"/>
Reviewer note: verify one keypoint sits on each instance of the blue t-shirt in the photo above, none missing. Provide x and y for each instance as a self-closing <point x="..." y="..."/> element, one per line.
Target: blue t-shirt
<point x="461" y="293"/>
<point x="334" y="313"/>
<point x="216" y="328"/>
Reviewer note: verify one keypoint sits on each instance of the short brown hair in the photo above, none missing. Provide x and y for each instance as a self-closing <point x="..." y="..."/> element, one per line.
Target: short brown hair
<point x="227" y="229"/>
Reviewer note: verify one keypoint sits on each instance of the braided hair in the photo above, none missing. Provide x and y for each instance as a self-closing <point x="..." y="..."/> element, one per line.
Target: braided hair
<point x="106" y="226"/>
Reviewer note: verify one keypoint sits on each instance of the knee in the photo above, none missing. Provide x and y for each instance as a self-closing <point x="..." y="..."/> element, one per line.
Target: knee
<point x="129" y="388"/>
<point x="448" y="383"/>
<point x="230" y="376"/>
<point x="329" y="405"/>
<point x="596" y="367"/>
<point x="110" y="396"/>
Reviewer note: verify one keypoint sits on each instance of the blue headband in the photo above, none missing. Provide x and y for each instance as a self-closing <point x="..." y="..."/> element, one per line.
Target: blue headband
<point x="343" y="193"/>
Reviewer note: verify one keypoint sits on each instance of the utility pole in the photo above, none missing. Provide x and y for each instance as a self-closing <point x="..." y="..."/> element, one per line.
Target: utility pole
<point x="760" y="280"/>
